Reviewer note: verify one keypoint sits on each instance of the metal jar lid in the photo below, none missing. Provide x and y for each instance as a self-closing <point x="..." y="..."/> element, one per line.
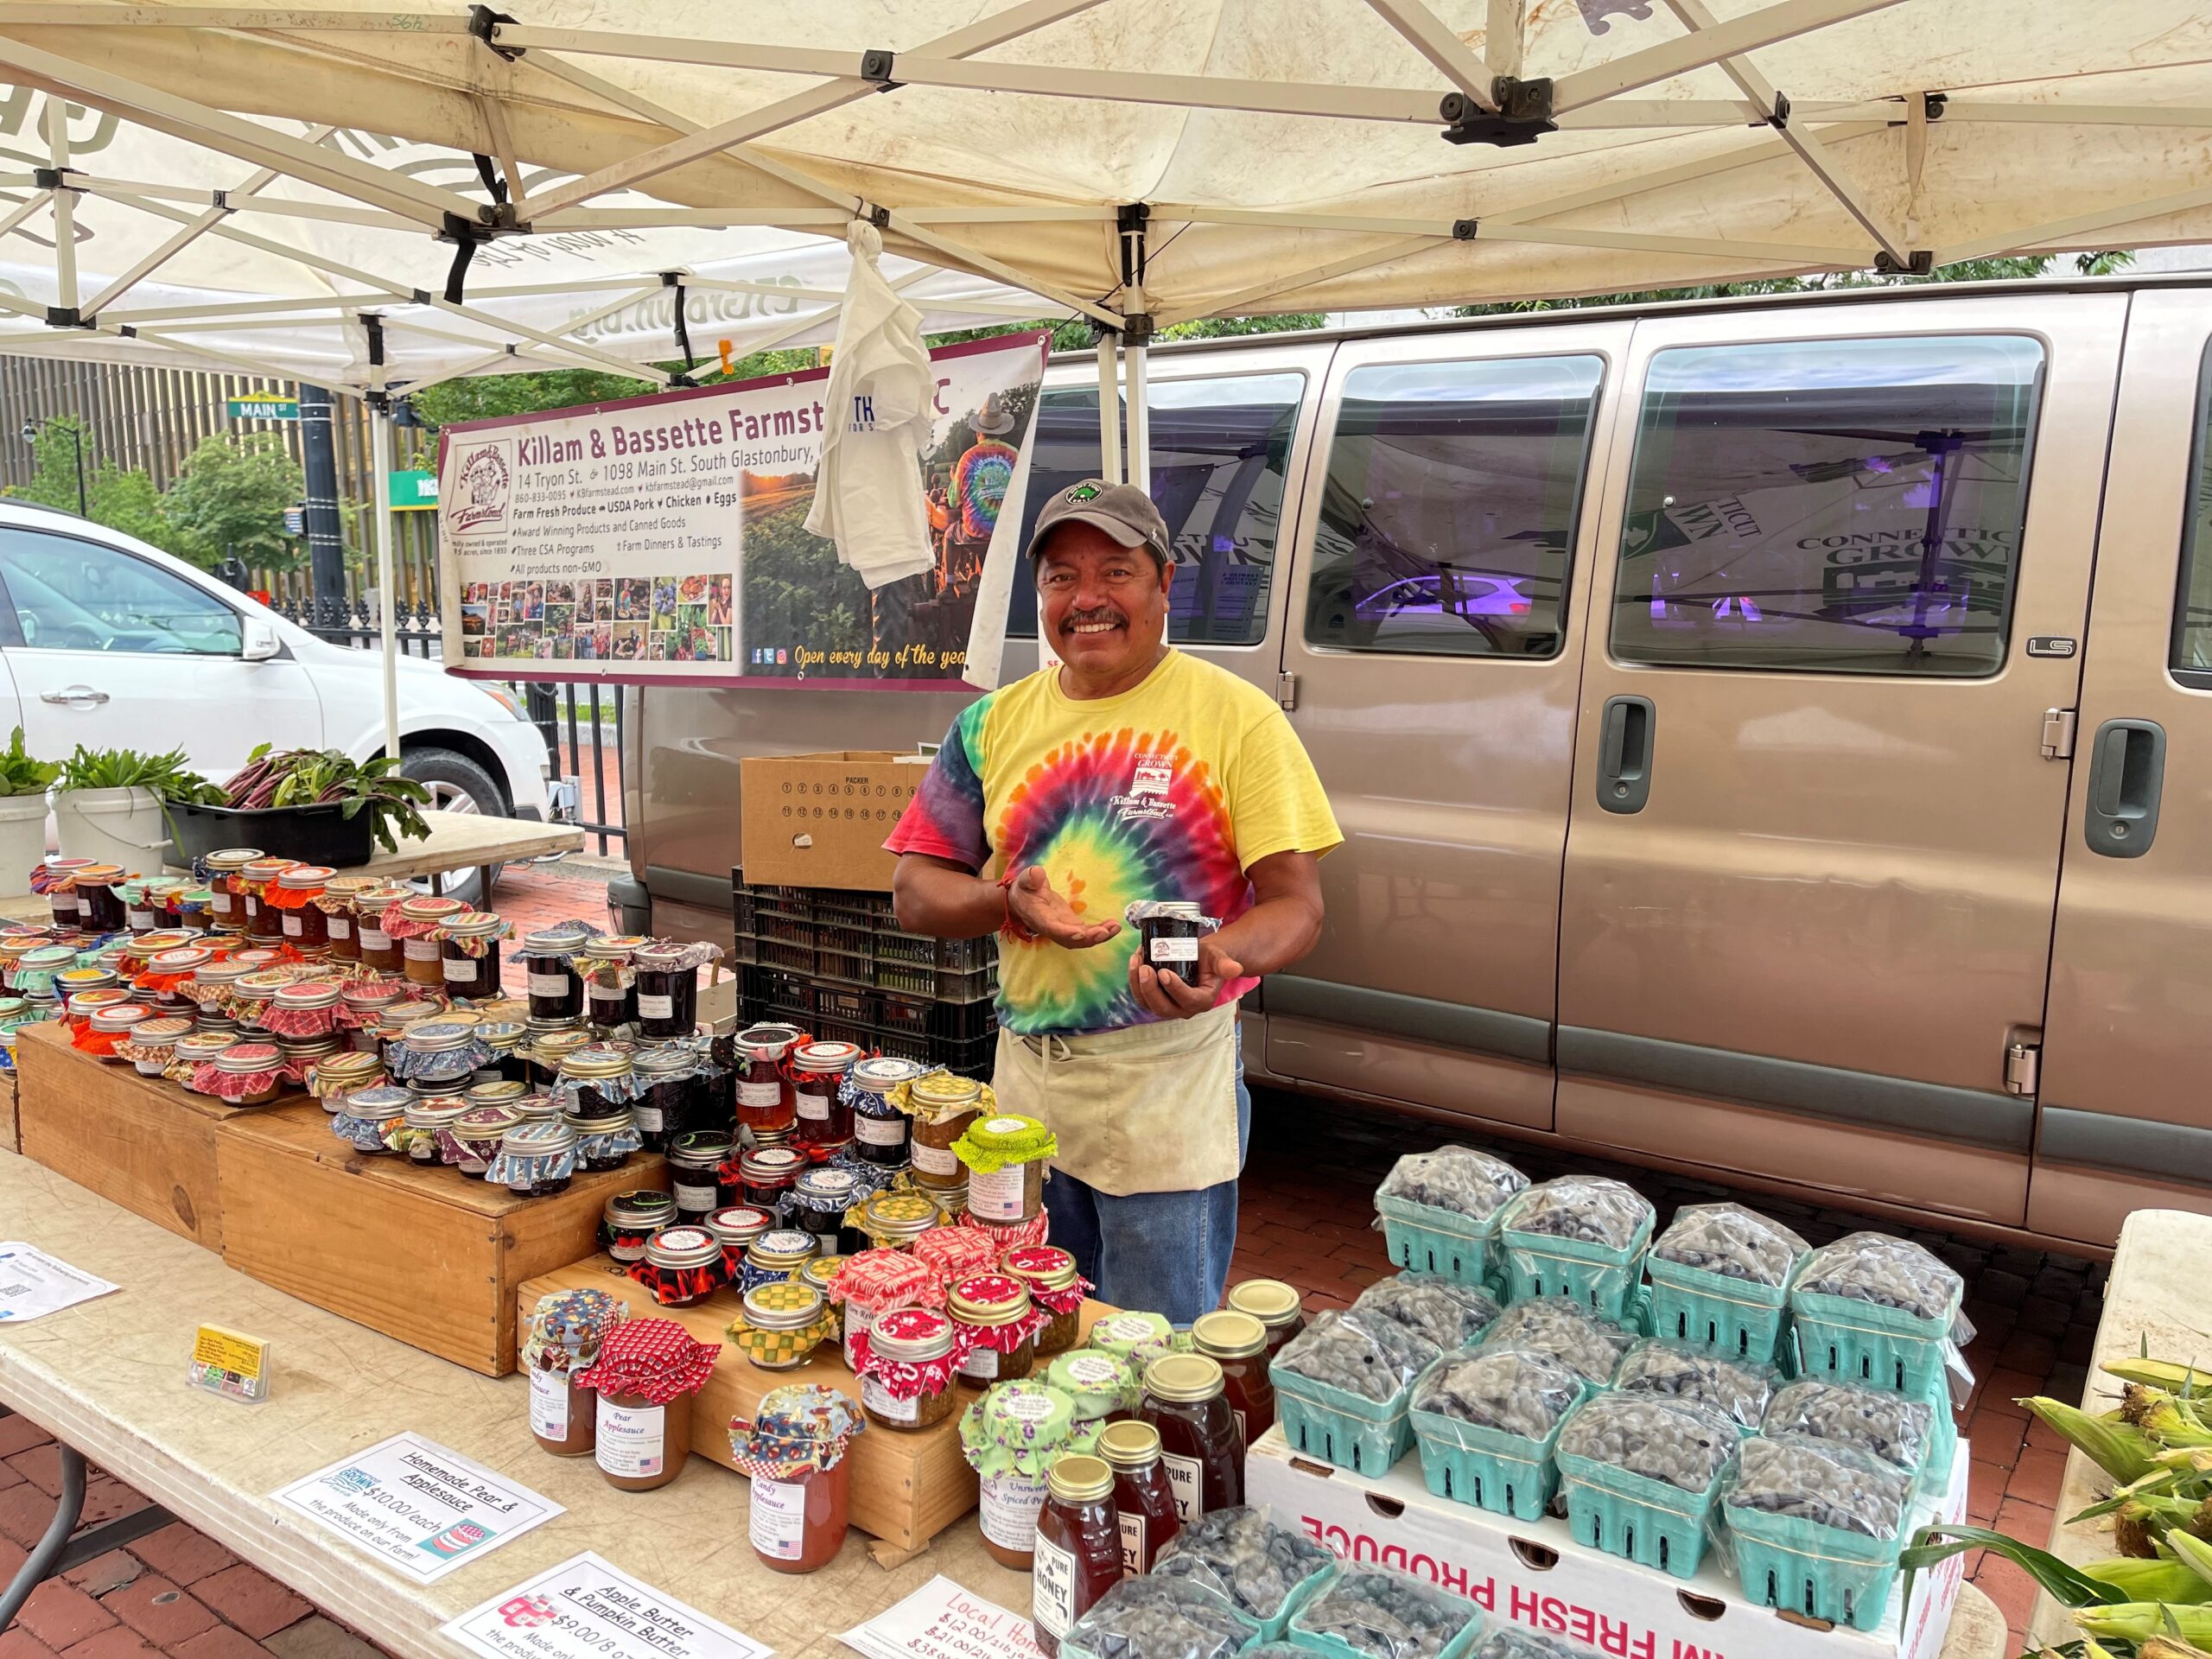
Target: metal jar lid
<point x="656" y="958"/>
<point x="539" y="1139"/>
<point x="782" y="1248"/>
<point x="902" y="1216"/>
<point x="436" y="1036"/>
<point x="181" y="959"/>
<point x="700" y="1149"/>
<point x="99" y="875"/>
<point x="233" y="858"/>
<point x="1228" y="1334"/>
<point x="536" y="1108"/>
<point x="122" y="1016"/>
<point x="351" y="1068"/>
<point x="911" y="1335"/>
<point x="1130" y="1444"/>
<point x="312" y="1049"/>
<point x="596" y="1060"/>
<point x="476" y="925"/>
<point x="1080" y="1478"/>
<point x="499" y="1035"/>
<point x="824" y="1189"/>
<point x="943" y="1090"/>
<point x="989" y="1299"/>
<point x="643" y="1211"/>
<point x="305" y="875"/>
<point x="87" y="1003"/>
<point x="385" y="895"/>
<point x="739" y="1224"/>
<point x="204" y="1045"/>
<point x="254" y="961"/>
<point x="395" y="1022"/>
<point x="554" y="941"/>
<point x="428" y="909"/>
<point x="1270" y="1301"/>
<point x="73" y="980"/>
<point x="308" y="994"/>
<point x="769" y="1041"/>
<point x="482" y="1124"/>
<point x="262" y="984"/>
<point x="164" y="1033"/>
<point x="1045" y="1267"/>
<point x="823" y="1057"/>
<point x="498" y="1091"/>
<point x="683" y="1247"/>
<point x="881" y="1074"/>
<point x="667" y="1059"/>
<point x="423" y="1089"/>
<point x="372" y="994"/>
<point x="785" y="1305"/>
<point x="551" y="1047"/>
<point x="240" y="1057"/>
<point x="439" y="1112"/>
<point x="614" y="947"/>
<point x="347" y="887"/>
<point x="613" y="1122"/>
<point x="822" y="1271"/>
<point x="1183" y="1379"/>
<point x="44" y="957"/>
<point x="769" y="1166"/>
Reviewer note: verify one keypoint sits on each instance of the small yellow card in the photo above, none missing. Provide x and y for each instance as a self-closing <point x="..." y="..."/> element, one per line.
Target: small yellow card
<point x="229" y="1362"/>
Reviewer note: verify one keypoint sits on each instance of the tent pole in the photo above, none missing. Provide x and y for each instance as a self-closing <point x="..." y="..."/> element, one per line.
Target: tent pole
<point x="1139" y="399"/>
<point x="1109" y="428"/>
<point x="387" y="628"/>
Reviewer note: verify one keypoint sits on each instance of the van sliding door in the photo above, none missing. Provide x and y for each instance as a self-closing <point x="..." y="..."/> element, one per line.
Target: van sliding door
<point x="2126" y="1123"/>
<point x="1814" y="851"/>
<point x="1434" y="645"/>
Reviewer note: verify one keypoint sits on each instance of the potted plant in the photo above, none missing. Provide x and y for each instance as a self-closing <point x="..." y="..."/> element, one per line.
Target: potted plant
<point x="108" y="806"/>
<point x="313" y="804"/>
<point x="24" y="783"/>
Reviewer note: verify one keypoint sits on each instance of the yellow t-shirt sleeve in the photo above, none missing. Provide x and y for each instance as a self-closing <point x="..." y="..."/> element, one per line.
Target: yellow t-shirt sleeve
<point x="1276" y="803"/>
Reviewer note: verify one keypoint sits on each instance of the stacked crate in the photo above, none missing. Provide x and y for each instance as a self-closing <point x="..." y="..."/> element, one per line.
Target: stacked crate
<point x="834" y="963"/>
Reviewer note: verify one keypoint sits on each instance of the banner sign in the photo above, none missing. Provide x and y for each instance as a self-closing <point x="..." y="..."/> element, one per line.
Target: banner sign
<point x="662" y="539"/>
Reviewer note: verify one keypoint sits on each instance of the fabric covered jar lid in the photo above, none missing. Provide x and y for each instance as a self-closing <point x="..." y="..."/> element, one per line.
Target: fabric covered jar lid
<point x="652" y="1359"/>
<point x="1096" y="1381"/>
<point x="568" y="1326"/>
<point x="874" y="1281"/>
<point x="1017" y="1429"/>
<point x="795" y="1431"/>
<point x="994" y="1143"/>
<point x="882" y="1073"/>
<point x="1122" y="1334"/>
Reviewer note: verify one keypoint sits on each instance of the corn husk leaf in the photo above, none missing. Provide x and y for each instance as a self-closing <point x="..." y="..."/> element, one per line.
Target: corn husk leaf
<point x="2140" y="1621"/>
<point x="2125" y="1453"/>
<point x="2160" y="1374"/>
<point x="2131" y="1579"/>
<point x="2192" y="1552"/>
<point x="2065" y="1584"/>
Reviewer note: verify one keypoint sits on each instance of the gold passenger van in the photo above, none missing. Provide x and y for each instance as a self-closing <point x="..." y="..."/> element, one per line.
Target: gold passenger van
<point x="1771" y="738"/>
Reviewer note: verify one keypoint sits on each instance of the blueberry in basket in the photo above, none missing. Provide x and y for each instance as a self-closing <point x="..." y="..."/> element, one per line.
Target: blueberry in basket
<point x="1883" y="1272"/>
<point x="1565" y="1329"/>
<point x="1828" y="1484"/>
<point x="1459" y="1178"/>
<point x="1586" y="1209"/>
<point x="1733" y="1242"/>
<point x="1159" y="1618"/>
<point x="1684" y="1445"/>
<point x="1887" y="1425"/>
<point x="1737" y="1390"/>
<point x="1386" y="1615"/>
<point x="1372" y="1357"/>
<point x="1516" y="1390"/>
<point x="1450" y="1315"/>
<point x="1245" y="1559"/>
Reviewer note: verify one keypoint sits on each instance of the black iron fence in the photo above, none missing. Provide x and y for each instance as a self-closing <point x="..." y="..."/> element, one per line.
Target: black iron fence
<point x="575" y="721"/>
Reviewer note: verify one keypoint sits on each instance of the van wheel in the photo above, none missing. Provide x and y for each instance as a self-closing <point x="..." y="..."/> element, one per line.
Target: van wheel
<point x="456" y="783"/>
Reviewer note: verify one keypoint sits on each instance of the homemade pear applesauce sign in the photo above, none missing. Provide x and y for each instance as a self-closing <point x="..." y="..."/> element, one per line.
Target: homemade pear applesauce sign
<point x="664" y="540"/>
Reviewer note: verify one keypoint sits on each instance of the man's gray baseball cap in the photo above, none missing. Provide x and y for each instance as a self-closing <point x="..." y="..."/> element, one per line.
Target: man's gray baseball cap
<point x="1123" y="511"/>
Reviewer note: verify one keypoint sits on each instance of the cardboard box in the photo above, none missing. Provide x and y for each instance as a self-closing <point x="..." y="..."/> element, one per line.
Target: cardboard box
<point x="820" y="820"/>
<point x="420" y="1253"/>
<point x="1535" y="1574"/>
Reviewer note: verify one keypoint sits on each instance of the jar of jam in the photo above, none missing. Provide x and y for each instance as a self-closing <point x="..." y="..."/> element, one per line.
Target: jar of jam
<point x="340" y="1073"/>
<point x="304" y="1054"/>
<point x="249" y="1074"/>
<point x="469" y="944"/>
<point x="1169" y="931"/>
<point x="628" y="1219"/>
<point x="138" y="908"/>
<point x="264" y="922"/>
<point x="555" y="988"/>
<point x="415" y="923"/>
<point x="695" y="1161"/>
<point x="908" y="1371"/>
<point x="784" y="1321"/>
<point x="504" y="1061"/>
<point x="1104" y="1388"/>
<point x="565" y="1331"/>
<point x="442" y="1051"/>
<point x="604" y="1140"/>
<point x="597" y="1077"/>
<point x="302" y="1009"/>
<point x="689" y="1263"/>
<point x="1141" y="1338"/>
<point x="58" y="880"/>
<point x="819" y="1198"/>
<point x="194" y="910"/>
<point x="793" y="1452"/>
<point x="958" y="1253"/>
<point x="197" y="1052"/>
<point x="776" y="1255"/>
<point x="82" y="1003"/>
<point x="817" y="1078"/>
<point x="1010" y="1438"/>
<point x="151" y="1048"/>
<point x="1199" y="1447"/>
<point x="610" y="982"/>
<point x="878" y="1281"/>
<point x="396" y="1022"/>
<point x="302" y="922"/>
<point x="1006" y="1158"/>
<point x="373" y="908"/>
<point x="668" y="1080"/>
<point x="535" y="1160"/>
<point x="765" y="1099"/>
<point x="1079" y="1549"/>
<point x="426" y="1116"/>
<point x="162" y="892"/>
<point x="1238" y="1344"/>
<point x="362" y="1005"/>
<point x="880" y="1130"/>
<point x="822" y="1273"/>
<point x="502" y="1093"/>
<point x="1144" y="1506"/>
<point x="737" y="1228"/>
<point x="646" y="1373"/>
<point x="477" y="1135"/>
<point x="997" y="1327"/>
<point x="340" y="929"/>
<point x="893" y="1221"/>
<point x="99" y="903"/>
<point x="943" y="1107"/>
<point x="668" y="990"/>
<point x="768" y="1174"/>
<point x="252" y="994"/>
<point x="1055" y="1287"/>
<point x="1275" y="1305"/>
<point x="545" y="1049"/>
<point x="111" y="1028"/>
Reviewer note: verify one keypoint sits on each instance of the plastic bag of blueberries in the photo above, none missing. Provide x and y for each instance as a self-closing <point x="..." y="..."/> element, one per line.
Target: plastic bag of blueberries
<point x="1458" y="1178"/>
<point x="1732" y="1242"/>
<point x="1244" y="1557"/>
<point x="1362" y="1354"/>
<point x="1564" y="1328"/>
<point x="1450" y="1315"/>
<point x="1887" y="1425"/>
<point x="1375" y="1613"/>
<point x="1156" y="1618"/>
<point x="1738" y="1389"/>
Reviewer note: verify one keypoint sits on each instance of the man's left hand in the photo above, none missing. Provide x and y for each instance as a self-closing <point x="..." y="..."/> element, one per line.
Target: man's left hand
<point x="1169" y="996"/>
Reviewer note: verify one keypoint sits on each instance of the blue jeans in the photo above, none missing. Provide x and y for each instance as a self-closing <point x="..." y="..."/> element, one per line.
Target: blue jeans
<point x="1164" y="1253"/>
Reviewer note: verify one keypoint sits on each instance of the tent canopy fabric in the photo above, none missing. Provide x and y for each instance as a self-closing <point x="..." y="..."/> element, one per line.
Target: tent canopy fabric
<point x="1171" y="158"/>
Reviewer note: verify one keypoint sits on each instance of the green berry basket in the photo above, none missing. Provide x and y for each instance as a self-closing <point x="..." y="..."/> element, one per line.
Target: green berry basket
<point x="1603" y="1280"/>
<point x="1338" y="1427"/>
<point x="1330" y="1646"/>
<point x="1488" y="1468"/>
<point x="1423" y="1238"/>
<point x="1800" y="1567"/>
<point x="1847" y="1340"/>
<point x="1651" y="1523"/>
<point x="1731" y="1317"/>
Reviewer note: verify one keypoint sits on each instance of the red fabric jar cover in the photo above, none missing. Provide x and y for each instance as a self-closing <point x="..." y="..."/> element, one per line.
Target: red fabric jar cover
<point x="652" y="1359"/>
<point x="877" y="1281"/>
<point x="1022" y="1236"/>
<point x="900" y="1379"/>
<point x="1029" y="1259"/>
<point x="1003" y="1339"/>
<point x="956" y="1252"/>
<point x="299" y="1023"/>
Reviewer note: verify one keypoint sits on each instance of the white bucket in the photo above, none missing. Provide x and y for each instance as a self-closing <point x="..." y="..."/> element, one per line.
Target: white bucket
<point x="23" y="841"/>
<point x="113" y="826"/>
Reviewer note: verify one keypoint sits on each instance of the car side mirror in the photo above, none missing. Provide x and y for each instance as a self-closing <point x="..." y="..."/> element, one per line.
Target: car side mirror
<point x="258" y="642"/>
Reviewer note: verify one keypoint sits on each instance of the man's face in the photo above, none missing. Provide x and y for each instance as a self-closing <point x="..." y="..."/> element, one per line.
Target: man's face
<point x="1103" y="605"/>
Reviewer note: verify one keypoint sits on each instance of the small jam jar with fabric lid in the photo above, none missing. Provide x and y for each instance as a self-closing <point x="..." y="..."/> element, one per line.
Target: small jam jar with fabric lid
<point x="628" y="1219"/>
<point x="599" y="1075"/>
<point x="138" y="909"/>
<point x="369" y="1116"/>
<point x="668" y="1088"/>
<point x="906" y="1378"/>
<point x="470" y="946"/>
<point x="610" y="982"/>
<point x="505" y="1063"/>
<point x="422" y="958"/>
<point x="162" y="894"/>
<point x="1170" y="930"/>
<point x="196" y="1049"/>
<point x="396" y="1022"/>
<point x="264" y="922"/>
<point x="81" y="1001"/>
<point x="151" y="1047"/>
<point x="893" y="1221"/>
<point x="373" y="906"/>
<point x="777" y="1254"/>
<point x="1104" y="1388"/>
<point x="564" y="1335"/>
<point x="765" y="1099"/>
<point x="784" y="1322"/>
<point x="224" y="904"/>
<point x="1054" y="1286"/>
<point x="998" y="1324"/>
<point x="736" y="1226"/>
<point x="362" y="1004"/>
<point x="535" y="1160"/>
<point x="299" y="918"/>
<point x="646" y="1373"/>
<point x="944" y="1106"/>
<point x="544" y="1049"/>
<point x="341" y="924"/>
<point x="168" y="973"/>
<point x="819" y="1198"/>
<point x="874" y="1282"/>
<point x="686" y="1263"/>
<point x="817" y="1074"/>
<point x="337" y="1075"/>
<point x="1006" y="1158"/>
<point x="99" y="905"/>
<point x="793" y="1455"/>
<point x="304" y="1054"/>
<point x="477" y="1135"/>
<point x="303" y="1008"/>
<point x="1010" y="1438"/>
<point x="111" y="1028"/>
<point x="768" y="1175"/>
<point x="252" y="994"/>
<point x="882" y="1132"/>
<point x="668" y="990"/>
<point x="1238" y="1344"/>
<point x="1275" y="1305"/>
<point x="249" y="1074"/>
<point x="555" y="987"/>
<point x="694" y="1170"/>
<point x="424" y="1120"/>
<point x="604" y="1140"/>
<point x="60" y="876"/>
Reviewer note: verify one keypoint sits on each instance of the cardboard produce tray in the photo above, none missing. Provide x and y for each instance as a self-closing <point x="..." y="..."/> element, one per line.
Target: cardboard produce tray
<point x="906" y="1487"/>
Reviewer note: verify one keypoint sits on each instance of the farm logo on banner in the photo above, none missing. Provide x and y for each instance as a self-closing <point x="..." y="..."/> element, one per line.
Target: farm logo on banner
<point x="664" y="538"/>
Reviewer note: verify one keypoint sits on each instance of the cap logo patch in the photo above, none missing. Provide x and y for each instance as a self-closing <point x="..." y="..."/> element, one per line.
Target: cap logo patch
<point x="1084" y="492"/>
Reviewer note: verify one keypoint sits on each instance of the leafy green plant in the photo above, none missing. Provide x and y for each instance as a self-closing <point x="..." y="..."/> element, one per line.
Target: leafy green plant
<point x="166" y="775"/>
<point x="327" y="777"/>
<point x="20" y="774"/>
<point x="230" y="498"/>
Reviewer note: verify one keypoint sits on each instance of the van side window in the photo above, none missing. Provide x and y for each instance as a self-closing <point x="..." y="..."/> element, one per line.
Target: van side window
<point x="77" y="596"/>
<point x="1220" y="450"/>
<point x="1447" y="521"/>
<point x="2191" y="659"/>
<point x="1829" y="506"/>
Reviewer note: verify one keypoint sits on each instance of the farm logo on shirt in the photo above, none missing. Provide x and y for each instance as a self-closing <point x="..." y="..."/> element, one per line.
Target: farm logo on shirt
<point x="1151" y="780"/>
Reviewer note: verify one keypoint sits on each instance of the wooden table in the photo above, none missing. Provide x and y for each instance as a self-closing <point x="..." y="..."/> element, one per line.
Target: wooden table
<point x="106" y="1378"/>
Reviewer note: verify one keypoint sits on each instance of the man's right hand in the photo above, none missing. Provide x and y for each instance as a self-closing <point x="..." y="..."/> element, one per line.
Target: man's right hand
<point x="1032" y="903"/>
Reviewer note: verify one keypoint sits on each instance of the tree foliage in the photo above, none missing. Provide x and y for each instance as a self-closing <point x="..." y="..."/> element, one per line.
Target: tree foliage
<point x="230" y="499"/>
<point x="121" y="498"/>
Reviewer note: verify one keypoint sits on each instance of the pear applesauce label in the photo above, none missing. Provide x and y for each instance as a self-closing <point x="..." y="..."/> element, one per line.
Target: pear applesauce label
<point x="631" y="1439"/>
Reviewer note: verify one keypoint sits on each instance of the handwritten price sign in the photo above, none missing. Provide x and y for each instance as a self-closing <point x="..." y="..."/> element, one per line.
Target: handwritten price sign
<point x="943" y="1621"/>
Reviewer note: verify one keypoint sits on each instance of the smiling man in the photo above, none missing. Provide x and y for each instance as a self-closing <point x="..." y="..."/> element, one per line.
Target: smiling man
<point x="1130" y="771"/>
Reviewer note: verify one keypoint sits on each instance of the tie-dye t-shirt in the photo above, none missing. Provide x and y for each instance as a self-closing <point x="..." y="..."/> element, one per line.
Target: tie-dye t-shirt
<point x="1170" y="790"/>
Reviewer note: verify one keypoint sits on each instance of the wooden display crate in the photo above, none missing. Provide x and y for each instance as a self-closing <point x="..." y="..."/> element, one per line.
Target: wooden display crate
<point x="10" y="1136"/>
<point x="421" y="1253"/>
<point x="145" y="1144"/>
<point x="906" y="1487"/>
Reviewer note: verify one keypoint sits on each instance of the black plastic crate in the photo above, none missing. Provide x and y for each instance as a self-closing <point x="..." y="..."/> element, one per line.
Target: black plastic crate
<point x="844" y="938"/>
<point x="852" y="970"/>
<point x="955" y="956"/>
<point x="942" y="984"/>
<point x="744" y="950"/>
<point x="742" y="902"/>
<point x="788" y="954"/>
<point x="860" y="909"/>
<point x="925" y="1017"/>
<point x="843" y="1031"/>
<point x="847" y="1003"/>
<point x="771" y="993"/>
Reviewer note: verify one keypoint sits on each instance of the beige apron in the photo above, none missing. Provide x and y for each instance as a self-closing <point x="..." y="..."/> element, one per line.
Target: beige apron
<point x="1147" y="1108"/>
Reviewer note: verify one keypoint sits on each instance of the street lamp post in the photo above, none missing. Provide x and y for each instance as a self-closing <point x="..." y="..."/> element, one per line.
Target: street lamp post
<point x="33" y="432"/>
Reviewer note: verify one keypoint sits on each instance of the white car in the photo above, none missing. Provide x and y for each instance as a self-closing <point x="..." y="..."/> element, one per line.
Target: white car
<point x="112" y="643"/>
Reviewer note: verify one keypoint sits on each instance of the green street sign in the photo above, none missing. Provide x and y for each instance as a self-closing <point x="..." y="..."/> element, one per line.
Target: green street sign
<point x="414" y="492"/>
<point x="264" y="409"/>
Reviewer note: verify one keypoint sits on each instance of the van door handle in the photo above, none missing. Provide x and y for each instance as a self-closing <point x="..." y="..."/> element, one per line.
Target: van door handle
<point x="1625" y="754"/>
<point x="75" y="694"/>
<point x="2127" y="770"/>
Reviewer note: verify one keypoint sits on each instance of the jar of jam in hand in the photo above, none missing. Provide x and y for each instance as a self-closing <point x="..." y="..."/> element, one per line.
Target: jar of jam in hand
<point x="1078" y="1553"/>
<point x="1185" y="1400"/>
<point x="817" y="1078"/>
<point x="1170" y="931"/>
